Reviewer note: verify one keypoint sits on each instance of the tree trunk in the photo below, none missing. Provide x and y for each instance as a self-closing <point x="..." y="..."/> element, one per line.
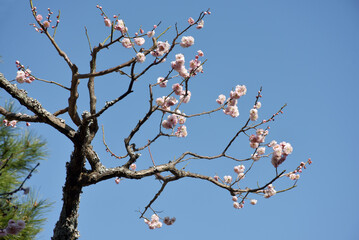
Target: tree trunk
<point x="66" y="226"/>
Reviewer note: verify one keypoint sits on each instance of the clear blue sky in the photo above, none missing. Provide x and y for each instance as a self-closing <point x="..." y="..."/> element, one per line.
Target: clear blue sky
<point x="304" y="53"/>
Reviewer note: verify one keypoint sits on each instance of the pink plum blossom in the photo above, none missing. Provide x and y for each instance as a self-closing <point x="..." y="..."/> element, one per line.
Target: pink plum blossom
<point x="294" y="176"/>
<point x="154" y="223"/>
<point x="261" y="150"/>
<point x="253" y="114"/>
<point x="255" y="157"/>
<point x="140" y="57"/>
<point x="172" y="119"/>
<point x="200" y="53"/>
<point x="239" y="91"/>
<point x="187" y="41"/>
<point x="133" y="166"/>
<point x="258" y="105"/>
<point x="20" y="76"/>
<point x="239" y="169"/>
<point x="221" y="98"/>
<point x="227" y="179"/>
<point x="167" y="124"/>
<point x="169" y="221"/>
<point x="107" y="22"/>
<point x="200" y="24"/>
<point x="139" y="41"/>
<point x="181" y="131"/>
<point x="150" y="33"/>
<point x="160" y="101"/>
<point x="126" y="42"/>
<point x="177" y="88"/>
<point x="162" y="82"/>
<point x="185" y="97"/>
<point x="232" y="111"/>
<point x="181" y="119"/>
<point x="46" y="24"/>
<point x="269" y="192"/>
<point x="191" y="21"/>
<point x="120" y="26"/>
<point x="117" y="180"/>
<point x="38" y="18"/>
<point x="253" y="201"/>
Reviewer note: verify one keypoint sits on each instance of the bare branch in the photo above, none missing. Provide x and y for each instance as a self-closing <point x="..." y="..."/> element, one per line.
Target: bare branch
<point x="34" y="106"/>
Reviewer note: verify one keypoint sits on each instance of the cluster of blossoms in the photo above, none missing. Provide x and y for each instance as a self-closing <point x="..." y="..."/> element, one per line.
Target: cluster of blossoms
<point x="253" y="113"/>
<point x="232" y="108"/>
<point x="46" y="23"/>
<point x="166" y="102"/>
<point x="187" y="41"/>
<point x="23" y="75"/>
<point x="255" y="140"/>
<point x="240" y="205"/>
<point x="8" y="123"/>
<point x="178" y="65"/>
<point x="269" y="191"/>
<point x="295" y="174"/>
<point x="120" y="26"/>
<point x="236" y="204"/>
<point x="13" y="228"/>
<point x="162" y="48"/>
<point x="280" y="152"/>
<point x="172" y="121"/>
<point x="200" y="24"/>
<point x="195" y="65"/>
<point x="181" y="131"/>
<point x="178" y="90"/>
<point x="154" y="223"/>
<point x="240" y="171"/>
